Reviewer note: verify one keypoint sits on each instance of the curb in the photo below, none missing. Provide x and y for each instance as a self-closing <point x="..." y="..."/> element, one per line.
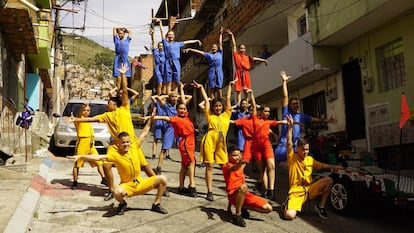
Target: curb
<point x="23" y="216"/>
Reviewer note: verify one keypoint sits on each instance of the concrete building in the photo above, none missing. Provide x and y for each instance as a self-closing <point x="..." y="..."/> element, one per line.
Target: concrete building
<point x="347" y="59"/>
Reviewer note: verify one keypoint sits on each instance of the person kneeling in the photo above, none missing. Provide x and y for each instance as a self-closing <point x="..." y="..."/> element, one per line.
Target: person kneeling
<point x="236" y="188"/>
<point x="132" y="184"/>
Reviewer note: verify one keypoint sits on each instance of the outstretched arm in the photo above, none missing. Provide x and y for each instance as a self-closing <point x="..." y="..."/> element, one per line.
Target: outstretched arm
<point x="194" y="51"/>
<point x="193" y="42"/>
<point x="260" y="59"/>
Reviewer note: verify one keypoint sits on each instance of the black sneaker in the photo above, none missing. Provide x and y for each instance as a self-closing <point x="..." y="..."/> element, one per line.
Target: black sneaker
<point x="153" y="156"/>
<point x="193" y="191"/>
<point x="245" y="213"/>
<point x="159" y="209"/>
<point x="239" y="221"/>
<point x="121" y="208"/>
<point x="108" y="196"/>
<point x="104" y="182"/>
<point x="168" y="157"/>
<point x="183" y="191"/>
<point x="158" y="170"/>
<point x="270" y="195"/>
<point x="321" y="211"/>
<point x="74" y="185"/>
<point x="210" y="196"/>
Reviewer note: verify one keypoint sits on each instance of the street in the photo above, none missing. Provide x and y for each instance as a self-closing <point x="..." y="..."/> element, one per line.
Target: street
<point x="61" y="209"/>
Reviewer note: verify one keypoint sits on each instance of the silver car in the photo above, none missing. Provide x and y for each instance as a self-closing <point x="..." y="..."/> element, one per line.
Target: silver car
<point x="63" y="140"/>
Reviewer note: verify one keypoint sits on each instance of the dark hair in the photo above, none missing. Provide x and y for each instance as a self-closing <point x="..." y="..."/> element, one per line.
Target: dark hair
<point x="180" y="103"/>
<point x="302" y="142"/>
<point x="232" y="147"/>
<point x="123" y="134"/>
<point x="117" y="100"/>
<point x="214" y="101"/>
<point x="292" y="99"/>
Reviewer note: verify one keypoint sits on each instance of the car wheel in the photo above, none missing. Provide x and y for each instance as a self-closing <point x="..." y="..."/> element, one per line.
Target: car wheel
<point x="342" y="196"/>
<point x="52" y="147"/>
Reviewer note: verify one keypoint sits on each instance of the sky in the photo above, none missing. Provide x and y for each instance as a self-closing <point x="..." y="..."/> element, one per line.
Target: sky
<point x="103" y="15"/>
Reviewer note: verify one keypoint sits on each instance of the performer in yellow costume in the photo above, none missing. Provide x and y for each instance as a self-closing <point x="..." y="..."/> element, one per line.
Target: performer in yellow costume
<point x="213" y="145"/>
<point x="85" y="145"/>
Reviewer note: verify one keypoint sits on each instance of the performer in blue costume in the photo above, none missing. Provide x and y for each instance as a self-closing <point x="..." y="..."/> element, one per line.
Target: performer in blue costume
<point x="122" y="38"/>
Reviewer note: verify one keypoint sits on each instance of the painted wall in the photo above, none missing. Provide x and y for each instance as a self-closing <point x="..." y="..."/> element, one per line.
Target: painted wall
<point x="32" y="90"/>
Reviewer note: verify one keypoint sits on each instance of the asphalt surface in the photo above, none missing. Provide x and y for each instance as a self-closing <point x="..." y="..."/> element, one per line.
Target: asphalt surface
<point x="45" y="203"/>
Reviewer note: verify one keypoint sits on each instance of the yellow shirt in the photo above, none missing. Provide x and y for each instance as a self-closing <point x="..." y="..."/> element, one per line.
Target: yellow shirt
<point x="84" y="129"/>
<point x="300" y="171"/>
<point x="128" y="165"/>
<point x="218" y="122"/>
<point x="118" y="121"/>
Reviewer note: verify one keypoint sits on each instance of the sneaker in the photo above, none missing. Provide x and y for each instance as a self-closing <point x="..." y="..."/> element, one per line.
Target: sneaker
<point x="166" y="193"/>
<point x="321" y="211"/>
<point x="210" y="196"/>
<point x="153" y="156"/>
<point x="193" y="191"/>
<point x="245" y="213"/>
<point x="159" y="209"/>
<point x="183" y="191"/>
<point x="239" y="221"/>
<point x="158" y="170"/>
<point x="74" y="185"/>
<point x="168" y="157"/>
<point x="203" y="165"/>
<point x="270" y="195"/>
<point x="108" y="196"/>
<point x="121" y="208"/>
<point x="104" y="182"/>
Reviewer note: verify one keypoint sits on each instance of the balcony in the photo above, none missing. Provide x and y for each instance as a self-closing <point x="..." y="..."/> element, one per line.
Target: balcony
<point x="312" y="64"/>
<point x="16" y="22"/>
<point x="359" y="18"/>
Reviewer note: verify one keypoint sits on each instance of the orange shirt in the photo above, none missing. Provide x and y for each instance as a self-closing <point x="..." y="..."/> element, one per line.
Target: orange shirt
<point x="262" y="130"/>
<point x="233" y="179"/>
<point x="247" y="126"/>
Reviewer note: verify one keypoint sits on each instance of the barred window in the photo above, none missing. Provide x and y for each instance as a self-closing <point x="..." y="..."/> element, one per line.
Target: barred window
<point x="391" y="65"/>
<point x="302" y="28"/>
<point x="315" y="106"/>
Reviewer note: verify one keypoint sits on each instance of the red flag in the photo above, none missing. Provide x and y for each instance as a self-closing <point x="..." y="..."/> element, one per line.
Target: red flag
<point x="405" y="111"/>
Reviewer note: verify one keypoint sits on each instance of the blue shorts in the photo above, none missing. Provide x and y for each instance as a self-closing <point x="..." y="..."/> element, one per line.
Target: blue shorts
<point x="158" y="129"/>
<point x="168" y="139"/>
<point x="240" y="140"/>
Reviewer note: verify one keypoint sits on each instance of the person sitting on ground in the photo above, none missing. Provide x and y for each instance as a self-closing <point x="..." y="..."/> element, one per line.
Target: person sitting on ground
<point x="236" y="188"/>
<point x="128" y="164"/>
<point x="301" y="186"/>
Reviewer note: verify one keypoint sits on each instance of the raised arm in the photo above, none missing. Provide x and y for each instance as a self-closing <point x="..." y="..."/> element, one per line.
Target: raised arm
<point x="129" y="32"/>
<point x="135" y="94"/>
<point x="233" y="40"/>
<point x="146" y="128"/>
<point x="124" y="84"/>
<point x="153" y="38"/>
<point x="183" y="97"/>
<point x="204" y="94"/>
<point x="228" y="96"/>
<point x="194" y="51"/>
<point x="220" y="42"/>
<point x="114" y="31"/>
<point x="284" y="77"/>
<point x="161" y="27"/>
<point x="253" y="102"/>
<point x="113" y="92"/>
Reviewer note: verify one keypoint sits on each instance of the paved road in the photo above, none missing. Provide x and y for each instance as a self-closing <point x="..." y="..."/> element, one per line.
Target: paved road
<point x="61" y="209"/>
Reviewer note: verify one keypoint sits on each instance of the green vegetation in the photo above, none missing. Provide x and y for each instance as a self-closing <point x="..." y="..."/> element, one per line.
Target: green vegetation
<point x="87" y="53"/>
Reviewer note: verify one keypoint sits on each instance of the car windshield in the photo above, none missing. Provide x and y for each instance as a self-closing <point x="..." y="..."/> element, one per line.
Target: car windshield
<point x="96" y="109"/>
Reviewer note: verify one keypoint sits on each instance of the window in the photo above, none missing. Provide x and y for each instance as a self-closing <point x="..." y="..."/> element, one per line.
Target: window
<point x="391" y="66"/>
<point x="315" y="106"/>
<point x="302" y="28"/>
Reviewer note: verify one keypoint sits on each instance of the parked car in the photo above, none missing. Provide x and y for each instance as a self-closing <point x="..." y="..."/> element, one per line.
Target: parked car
<point x="356" y="188"/>
<point x="135" y="114"/>
<point x="64" y="137"/>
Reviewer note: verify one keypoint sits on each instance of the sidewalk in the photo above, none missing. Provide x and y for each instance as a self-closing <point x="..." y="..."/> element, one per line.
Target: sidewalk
<point x="49" y="205"/>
